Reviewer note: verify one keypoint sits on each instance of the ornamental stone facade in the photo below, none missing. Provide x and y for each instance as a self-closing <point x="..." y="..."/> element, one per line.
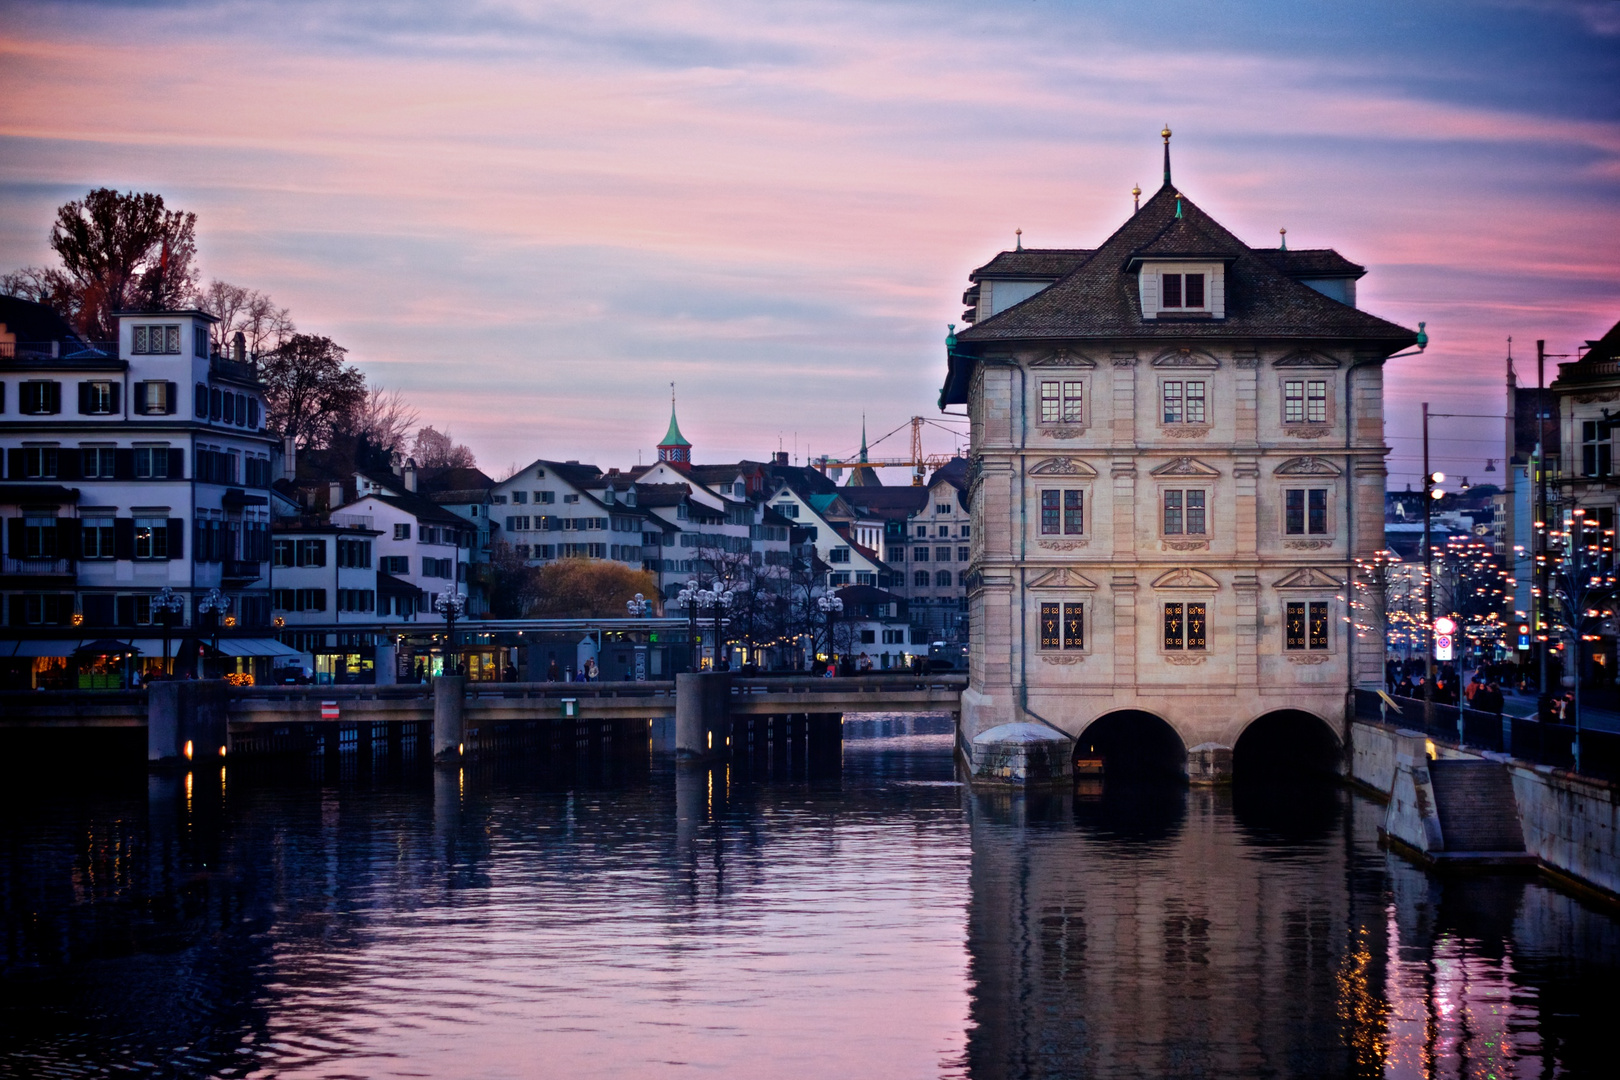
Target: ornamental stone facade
<point x="1177" y="457"/>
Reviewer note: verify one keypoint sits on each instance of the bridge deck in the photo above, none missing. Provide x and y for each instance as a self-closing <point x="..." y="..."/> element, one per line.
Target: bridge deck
<point x="254" y="705"/>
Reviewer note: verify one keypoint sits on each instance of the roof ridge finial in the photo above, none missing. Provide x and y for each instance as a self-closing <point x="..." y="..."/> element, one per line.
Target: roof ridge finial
<point x="1136" y="198"/>
<point x="1018" y="245"/>
<point x="1283" y="232"/>
<point x="1166" y="135"/>
<point x="1178" y="206"/>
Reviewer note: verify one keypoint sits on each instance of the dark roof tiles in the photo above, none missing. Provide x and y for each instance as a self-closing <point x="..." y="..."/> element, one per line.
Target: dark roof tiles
<point x="1099" y="300"/>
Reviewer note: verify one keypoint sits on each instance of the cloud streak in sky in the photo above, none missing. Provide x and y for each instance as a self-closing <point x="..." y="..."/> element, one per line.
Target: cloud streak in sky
<point x="533" y="217"/>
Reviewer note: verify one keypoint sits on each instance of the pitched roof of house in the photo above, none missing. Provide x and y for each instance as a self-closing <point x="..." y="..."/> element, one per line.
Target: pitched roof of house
<point x="886" y="501"/>
<point x="1032" y="263"/>
<point x="466" y="495"/>
<point x="31" y="323"/>
<point x="1099" y="299"/>
<point x="456" y="478"/>
<point x="1311" y="262"/>
<point x="420" y="507"/>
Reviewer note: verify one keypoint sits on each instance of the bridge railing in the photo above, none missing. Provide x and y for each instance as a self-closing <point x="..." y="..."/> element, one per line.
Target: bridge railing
<point x="859" y="684"/>
<point x="1526" y="738"/>
<point x="475" y="691"/>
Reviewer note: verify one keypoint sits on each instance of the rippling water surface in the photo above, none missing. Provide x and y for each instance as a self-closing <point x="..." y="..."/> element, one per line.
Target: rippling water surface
<point x="873" y="920"/>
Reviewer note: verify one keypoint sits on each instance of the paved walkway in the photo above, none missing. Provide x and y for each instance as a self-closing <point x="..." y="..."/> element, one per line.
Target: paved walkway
<point x="1515" y="704"/>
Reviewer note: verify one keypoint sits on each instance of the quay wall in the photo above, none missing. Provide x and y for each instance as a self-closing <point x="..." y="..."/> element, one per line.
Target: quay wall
<point x="1571" y="823"/>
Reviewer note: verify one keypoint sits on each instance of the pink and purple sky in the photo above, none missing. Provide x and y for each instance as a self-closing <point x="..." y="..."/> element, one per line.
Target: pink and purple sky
<point x="532" y="217"/>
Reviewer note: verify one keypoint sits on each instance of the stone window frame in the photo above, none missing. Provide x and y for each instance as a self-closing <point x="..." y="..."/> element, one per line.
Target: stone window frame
<point x="1307" y="484"/>
<point x="1187" y="426"/>
<point x="1206" y="600"/>
<point x="1329" y="400"/>
<point x="1308" y="600"/>
<point x="1064" y="604"/>
<point x="1059" y="485"/>
<point x="1058" y="378"/>
<point x="1186" y="483"/>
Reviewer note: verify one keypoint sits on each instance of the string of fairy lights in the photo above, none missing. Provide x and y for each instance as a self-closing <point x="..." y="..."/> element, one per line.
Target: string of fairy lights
<point x="1475" y="585"/>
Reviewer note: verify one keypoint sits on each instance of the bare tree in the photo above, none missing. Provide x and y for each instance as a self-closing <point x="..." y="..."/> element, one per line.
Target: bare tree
<point x="309" y="392"/>
<point x="385" y="421"/>
<point x="263" y="325"/>
<point x="435" y="450"/>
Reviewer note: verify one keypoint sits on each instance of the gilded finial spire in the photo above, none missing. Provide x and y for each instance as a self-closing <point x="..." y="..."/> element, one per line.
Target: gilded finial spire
<point x="1166" y="135"/>
<point x="1136" y="197"/>
<point x="1283" y="232"/>
<point x="1018" y="240"/>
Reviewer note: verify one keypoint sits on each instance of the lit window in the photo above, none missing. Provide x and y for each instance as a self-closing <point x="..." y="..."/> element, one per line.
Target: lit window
<point x="1184" y="626"/>
<point x="1307" y="625"/>
<point x="1063" y="626"/>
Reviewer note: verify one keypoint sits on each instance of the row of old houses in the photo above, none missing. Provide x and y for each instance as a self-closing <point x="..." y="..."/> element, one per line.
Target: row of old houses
<point x="143" y="490"/>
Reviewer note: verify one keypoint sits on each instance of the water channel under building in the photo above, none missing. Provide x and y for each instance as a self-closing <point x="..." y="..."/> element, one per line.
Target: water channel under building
<point x="867" y="916"/>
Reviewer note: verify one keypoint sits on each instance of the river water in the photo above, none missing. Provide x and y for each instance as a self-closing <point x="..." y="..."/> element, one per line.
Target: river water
<point x="873" y="920"/>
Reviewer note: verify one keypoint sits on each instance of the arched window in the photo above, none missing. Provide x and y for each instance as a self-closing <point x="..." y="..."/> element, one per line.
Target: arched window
<point x="942" y="578"/>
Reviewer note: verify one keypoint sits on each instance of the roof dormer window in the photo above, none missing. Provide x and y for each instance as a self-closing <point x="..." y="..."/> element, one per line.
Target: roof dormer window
<point x="1182" y="289"/>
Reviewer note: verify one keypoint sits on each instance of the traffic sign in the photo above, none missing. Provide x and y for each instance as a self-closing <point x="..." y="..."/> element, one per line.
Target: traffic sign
<point x="1442" y="646"/>
<point x="329" y="710"/>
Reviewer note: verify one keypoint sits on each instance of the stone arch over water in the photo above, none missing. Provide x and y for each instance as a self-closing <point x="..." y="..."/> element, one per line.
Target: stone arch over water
<point x="1135" y="744"/>
<point x="1287" y="744"/>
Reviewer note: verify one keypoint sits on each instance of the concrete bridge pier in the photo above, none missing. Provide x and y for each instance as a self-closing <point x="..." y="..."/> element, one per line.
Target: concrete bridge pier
<point x="449" y="705"/>
<point x="186" y="721"/>
<point x="702" y="714"/>
<point x="825" y="739"/>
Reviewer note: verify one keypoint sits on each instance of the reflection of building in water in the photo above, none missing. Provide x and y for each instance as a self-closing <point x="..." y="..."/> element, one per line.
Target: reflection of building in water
<point x="1232" y="933"/>
<point x="1152" y="938"/>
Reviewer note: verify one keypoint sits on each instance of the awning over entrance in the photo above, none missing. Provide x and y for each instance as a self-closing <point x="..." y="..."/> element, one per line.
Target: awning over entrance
<point x="256" y="647"/>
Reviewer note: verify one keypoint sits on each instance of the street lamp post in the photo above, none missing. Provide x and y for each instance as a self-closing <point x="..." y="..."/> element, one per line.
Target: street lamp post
<point x="688" y="597"/>
<point x="831" y="606"/>
<point x="215" y="604"/>
<point x="168" y="604"/>
<point x="638" y="608"/>
<point x="450" y="603"/>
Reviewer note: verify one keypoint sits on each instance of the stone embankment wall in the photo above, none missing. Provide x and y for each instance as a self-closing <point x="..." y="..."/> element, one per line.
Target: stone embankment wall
<point x="1571" y="823"/>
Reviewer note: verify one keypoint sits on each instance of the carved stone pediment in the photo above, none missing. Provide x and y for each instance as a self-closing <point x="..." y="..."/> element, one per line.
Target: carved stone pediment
<point x="1307" y="466"/>
<point x="1063" y="358"/>
<point x="1185" y="466"/>
<point x="1306" y="358"/>
<point x="1063" y="578"/>
<point x="1185" y="577"/>
<point x="1309" y="578"/>
<point x="1062" y="466"/>
<point x="1185" y="358"/>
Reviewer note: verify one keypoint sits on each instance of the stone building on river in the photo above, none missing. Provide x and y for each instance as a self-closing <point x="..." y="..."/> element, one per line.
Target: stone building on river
<point x="1177" y="457"/>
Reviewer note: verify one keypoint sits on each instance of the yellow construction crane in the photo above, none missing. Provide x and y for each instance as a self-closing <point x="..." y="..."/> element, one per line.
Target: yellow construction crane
<point x="919" y="463"/>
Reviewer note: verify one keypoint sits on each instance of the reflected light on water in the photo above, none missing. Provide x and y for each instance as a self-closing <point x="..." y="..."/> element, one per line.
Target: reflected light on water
<point x="872" y="918"/>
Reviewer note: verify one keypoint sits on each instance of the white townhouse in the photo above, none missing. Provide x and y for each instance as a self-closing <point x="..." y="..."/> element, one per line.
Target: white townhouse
<point x="130" y="466"/>
<point x="561" y="509"/>
<point x="848" y="560"/>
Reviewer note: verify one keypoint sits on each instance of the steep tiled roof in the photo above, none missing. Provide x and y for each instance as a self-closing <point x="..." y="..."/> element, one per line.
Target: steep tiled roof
<point x="661" y="494"/>
<point x="1098" y="299"/>
<point x="1032" y="263"/>
<point x="1311" y="263"/>
<point x="468" y="495"/>
<point x="421" y="508"/>
<point x="954" y="472"/>
<point x="33" y="323"/>
<point x="458" y="478"/>
<point x="886" y="501"/>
